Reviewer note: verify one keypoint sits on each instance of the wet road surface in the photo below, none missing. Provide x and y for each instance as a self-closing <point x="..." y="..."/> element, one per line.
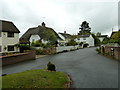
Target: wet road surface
<point x="87" y="68"/>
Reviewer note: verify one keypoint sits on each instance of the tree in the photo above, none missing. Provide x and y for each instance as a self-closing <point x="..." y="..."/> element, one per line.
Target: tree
<point x="115" y="38"/>
<point x="50" y="36"/>
<point x="85" y="29"/>
<point x="105" y="40"/>
<point x="96" y="40"/>
<point x="98" y="34"/>
<point x="72" y="43"/>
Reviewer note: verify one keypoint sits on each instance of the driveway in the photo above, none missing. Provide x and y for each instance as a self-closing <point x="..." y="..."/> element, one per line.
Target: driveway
<point x="87" y="68"/>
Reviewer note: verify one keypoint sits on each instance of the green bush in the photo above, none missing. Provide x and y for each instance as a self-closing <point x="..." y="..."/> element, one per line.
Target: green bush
<point x="72" y="43"/>
<point x="24" y="47"/>
<point x="38" y="52"/>
<point x="98" y="50"/>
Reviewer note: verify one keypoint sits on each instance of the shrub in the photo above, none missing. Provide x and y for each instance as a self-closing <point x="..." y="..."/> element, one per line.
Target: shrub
<point x="106" y="54"/>
<point x="24" y="47"/>
<point x="38" y="52"/>
<point x="51" y="67"/>
<point x="98" y="50"/>
<point x="72" y="43"/>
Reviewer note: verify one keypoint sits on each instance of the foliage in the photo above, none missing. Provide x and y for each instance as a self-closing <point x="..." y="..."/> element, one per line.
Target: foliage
<point x="85" y="29"/>
<point x="24" y="47"/>
<point x="98" y="50"/>
<point x="98" y="34"/>
<point x="39" y="51"/>
<point x="115" y="38"/>
<point x="72" y="43"/>
<point x="116" y="35"/>
<point x="51" y="66"/>
<point x="48" y="45"/>
<point x="105" y="40"/>
<point x="35" y="79"/>
<point x="45" y="51"/>
<point x="37" y="44"/>
<point x="50" y="36"/>
<point x="96" y="40"/>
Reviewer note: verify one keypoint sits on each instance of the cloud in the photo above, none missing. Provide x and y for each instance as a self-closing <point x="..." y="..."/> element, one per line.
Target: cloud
<point x="61" y="15"/>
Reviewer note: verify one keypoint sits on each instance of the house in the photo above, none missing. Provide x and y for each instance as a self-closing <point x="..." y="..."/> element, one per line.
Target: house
<point x="65" y="38"/>
<point x="9" y="37"/>
<point x="86" y="39"/>
<point x="102" y="37"/>
<point x="113" y="32"/>
<point x="41" y="33"/>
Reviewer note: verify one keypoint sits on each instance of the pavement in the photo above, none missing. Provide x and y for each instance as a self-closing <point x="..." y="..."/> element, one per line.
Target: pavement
<point x="86" y="68"/>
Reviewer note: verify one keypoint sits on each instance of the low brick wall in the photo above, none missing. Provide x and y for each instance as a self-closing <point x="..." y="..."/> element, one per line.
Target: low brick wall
<point x="112" y="51"/>
<point x="7" y="60"/>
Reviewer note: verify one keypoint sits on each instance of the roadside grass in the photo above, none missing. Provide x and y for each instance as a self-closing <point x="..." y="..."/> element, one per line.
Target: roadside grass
<point x="35" y="79"/>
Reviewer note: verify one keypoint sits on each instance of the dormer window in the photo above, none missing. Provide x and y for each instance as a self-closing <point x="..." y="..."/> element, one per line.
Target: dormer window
<point x="10" y="34"/>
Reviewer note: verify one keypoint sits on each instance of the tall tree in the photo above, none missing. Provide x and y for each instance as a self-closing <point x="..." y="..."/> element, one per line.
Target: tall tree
<point x="84" y="29"/>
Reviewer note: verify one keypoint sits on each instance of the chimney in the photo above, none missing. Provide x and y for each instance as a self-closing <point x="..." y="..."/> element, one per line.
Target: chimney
<point x="43" y="24"/>
<point x="64" y="32"/>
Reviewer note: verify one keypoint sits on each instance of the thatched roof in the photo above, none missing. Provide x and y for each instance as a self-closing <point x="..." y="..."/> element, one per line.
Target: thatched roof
<point x="7" y="26"/>
<point x="40" y="30"/>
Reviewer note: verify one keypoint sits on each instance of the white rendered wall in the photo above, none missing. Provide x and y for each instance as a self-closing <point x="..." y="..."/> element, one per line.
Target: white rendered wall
<point x="34" y="37"/>
<point x="5" y="41"/>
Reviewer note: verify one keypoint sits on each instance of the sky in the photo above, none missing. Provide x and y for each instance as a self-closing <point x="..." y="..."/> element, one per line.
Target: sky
<point x="62" y="15"/>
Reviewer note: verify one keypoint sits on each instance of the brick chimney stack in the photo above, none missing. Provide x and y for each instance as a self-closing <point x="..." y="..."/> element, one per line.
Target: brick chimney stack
<point x="64" y="32"/>
<point x="43" y="24"/>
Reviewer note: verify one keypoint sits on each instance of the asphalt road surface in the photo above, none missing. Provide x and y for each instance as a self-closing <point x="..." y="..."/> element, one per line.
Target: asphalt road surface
<point x="86" y="68"/>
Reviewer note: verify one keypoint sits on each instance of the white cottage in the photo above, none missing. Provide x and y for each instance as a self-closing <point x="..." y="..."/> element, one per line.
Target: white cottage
<point x="65" y="38"/>
<point x="9" y="37"/>
<point x="86" y="39"/>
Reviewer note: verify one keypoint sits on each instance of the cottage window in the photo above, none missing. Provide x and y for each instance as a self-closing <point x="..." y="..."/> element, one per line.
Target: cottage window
<point x="10" y="48"/>
<point x="10" y="34"/>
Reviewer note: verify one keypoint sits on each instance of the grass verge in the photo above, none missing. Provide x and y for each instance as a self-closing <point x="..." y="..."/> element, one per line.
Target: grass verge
<point x="35" y="79"/>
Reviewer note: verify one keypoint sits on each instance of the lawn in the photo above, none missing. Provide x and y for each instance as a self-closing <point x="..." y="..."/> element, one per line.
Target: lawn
<point x="35" y="79"/>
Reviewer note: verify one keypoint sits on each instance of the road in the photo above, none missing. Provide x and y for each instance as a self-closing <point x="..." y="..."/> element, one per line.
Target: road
<point x="87" y="68"/>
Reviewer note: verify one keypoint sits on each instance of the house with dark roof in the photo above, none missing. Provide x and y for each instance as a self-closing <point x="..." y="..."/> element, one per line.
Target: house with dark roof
<point x="86" y="39"/>
<point x="41" y="33"/>
<point x="65" y="38"/>
<point x="102" y="37"/>
<point x="113" y="32"/>
<point x="9" y="37"/>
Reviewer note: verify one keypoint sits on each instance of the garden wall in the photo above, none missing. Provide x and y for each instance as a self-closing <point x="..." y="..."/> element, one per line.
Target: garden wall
<point x="7" y="60"/>
<point x="112" y="51"/>
<point x="62" y="48"/>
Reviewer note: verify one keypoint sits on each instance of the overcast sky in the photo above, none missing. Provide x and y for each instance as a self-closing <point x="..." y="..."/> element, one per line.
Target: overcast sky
<point x="62" y="15"/>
